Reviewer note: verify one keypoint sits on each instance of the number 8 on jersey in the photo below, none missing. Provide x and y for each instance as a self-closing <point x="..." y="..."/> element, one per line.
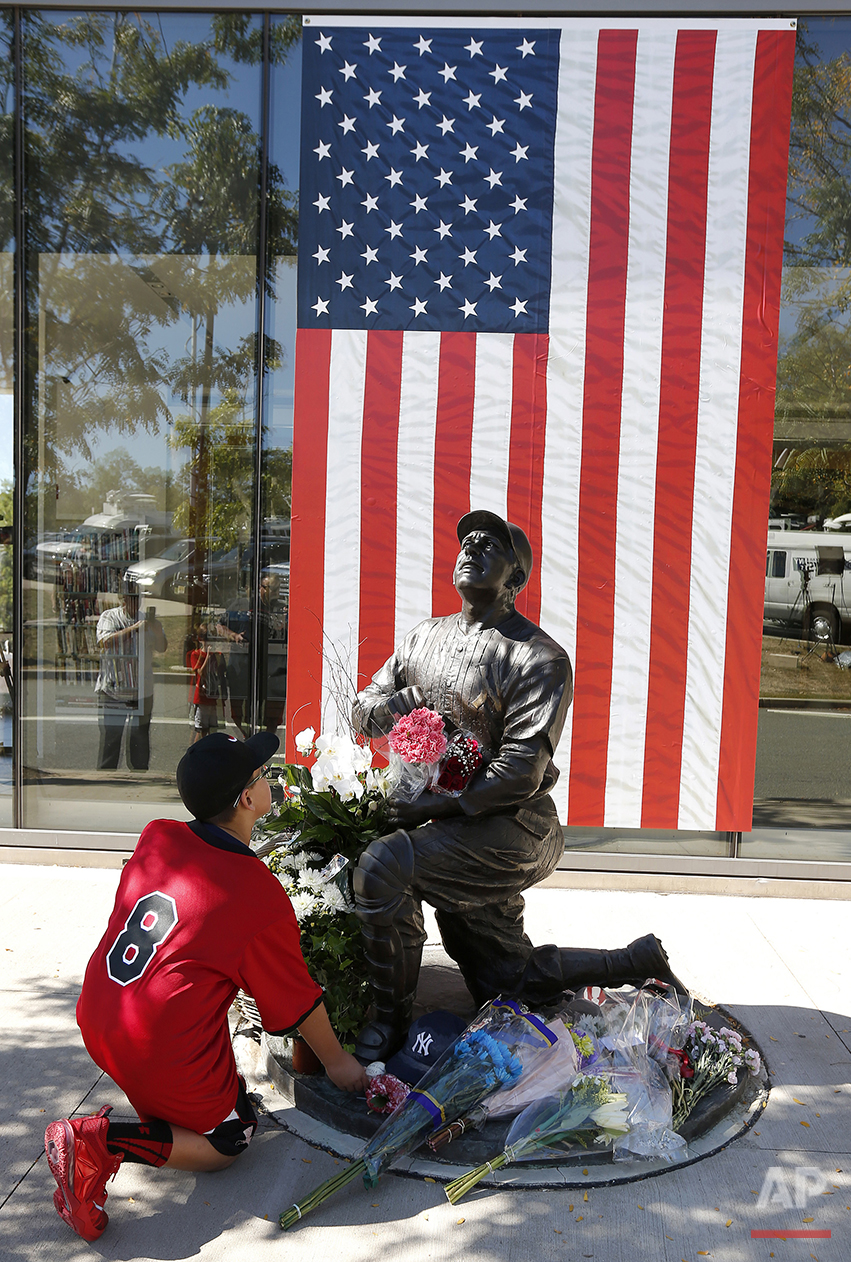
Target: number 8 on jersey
<point x="149" y="923"/>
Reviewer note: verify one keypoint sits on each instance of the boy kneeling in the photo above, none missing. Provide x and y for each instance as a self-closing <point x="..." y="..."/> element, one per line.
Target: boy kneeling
<point x="197" y="917"/>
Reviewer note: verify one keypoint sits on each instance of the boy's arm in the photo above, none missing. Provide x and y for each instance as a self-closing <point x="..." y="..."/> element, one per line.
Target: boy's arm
<point x="344" y="1071"/>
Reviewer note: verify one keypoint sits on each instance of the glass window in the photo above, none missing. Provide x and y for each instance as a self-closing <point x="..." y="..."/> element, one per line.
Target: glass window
<point x="142" y="196"/>
<point x="805" y="715"/>
<point x="277" y="432"/>
<point x="7" y="444"/>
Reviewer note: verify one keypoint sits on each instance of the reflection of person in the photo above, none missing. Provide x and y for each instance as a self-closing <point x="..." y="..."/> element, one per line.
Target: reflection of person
<point x="271" y="656"/>
<point x="125" y="682"/>
<point x="208" y="670"/>
<point x="490" y="671"/>
<point x="197" y="916"/>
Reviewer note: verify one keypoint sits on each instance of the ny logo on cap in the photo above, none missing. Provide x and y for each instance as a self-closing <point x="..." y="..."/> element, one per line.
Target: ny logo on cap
<point x="422" y="1043"/>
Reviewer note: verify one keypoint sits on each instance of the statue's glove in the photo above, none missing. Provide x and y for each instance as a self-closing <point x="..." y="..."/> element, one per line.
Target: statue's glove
<point x="374" y="713"/>
<point x="405" y="701"/>
<point x="384" y="715"/>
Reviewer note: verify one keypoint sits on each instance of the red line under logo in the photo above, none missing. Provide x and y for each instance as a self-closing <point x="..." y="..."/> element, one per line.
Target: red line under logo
<point x="790" y="1235"/>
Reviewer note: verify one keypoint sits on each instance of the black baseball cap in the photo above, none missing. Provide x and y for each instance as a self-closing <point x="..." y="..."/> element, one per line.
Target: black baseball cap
<point x="214" y="771"/>
<point x="510" y="535"/>
<point x="427" y="1040"/>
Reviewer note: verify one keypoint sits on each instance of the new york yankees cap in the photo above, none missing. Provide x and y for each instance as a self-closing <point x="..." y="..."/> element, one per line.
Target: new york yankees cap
<point x="426" y="1041"/>
<point x="214" y="771"/>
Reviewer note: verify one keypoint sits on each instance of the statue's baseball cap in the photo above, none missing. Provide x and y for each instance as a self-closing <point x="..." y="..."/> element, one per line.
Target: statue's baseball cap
<point x="510" y="535"/>
<point x="426" y="1041"/>
<point x="214" y="771"/>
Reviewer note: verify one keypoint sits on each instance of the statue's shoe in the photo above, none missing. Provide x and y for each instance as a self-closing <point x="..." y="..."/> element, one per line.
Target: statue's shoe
<point x="648" y="960"/>
<point x="378" y="1041"/>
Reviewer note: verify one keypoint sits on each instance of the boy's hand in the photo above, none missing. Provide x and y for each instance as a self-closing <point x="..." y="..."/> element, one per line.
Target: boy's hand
<point x="346" y="1073"/>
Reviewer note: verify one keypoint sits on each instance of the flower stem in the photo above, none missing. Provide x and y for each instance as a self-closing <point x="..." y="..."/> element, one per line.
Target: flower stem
<point x="296" y="1212"/>
<point x="461" y="1186"/>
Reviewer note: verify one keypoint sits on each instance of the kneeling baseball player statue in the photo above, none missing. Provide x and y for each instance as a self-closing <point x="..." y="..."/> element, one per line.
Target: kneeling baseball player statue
<point x="493" y="673"/>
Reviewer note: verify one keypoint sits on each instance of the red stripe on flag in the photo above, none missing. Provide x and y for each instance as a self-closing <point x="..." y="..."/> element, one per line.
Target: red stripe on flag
<point x="378" y="501"/>
<point x="688" y="177"/>
<point x="453" y="440"/>
<point x="775" y="55"/>
<point x="526" y="454"/>
<point x="598" y="483"/>
<point x="307" y="545"/>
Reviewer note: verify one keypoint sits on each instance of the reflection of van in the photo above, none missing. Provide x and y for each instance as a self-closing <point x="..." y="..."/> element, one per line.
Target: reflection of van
<point x="795" y="591"/>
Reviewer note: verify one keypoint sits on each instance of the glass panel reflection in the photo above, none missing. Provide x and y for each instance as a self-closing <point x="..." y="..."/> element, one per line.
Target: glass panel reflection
<point x="806" y="682"/>
<point x="277" y="432"/>
<point x="142" y="174"/>
<point x="7" y="446"/>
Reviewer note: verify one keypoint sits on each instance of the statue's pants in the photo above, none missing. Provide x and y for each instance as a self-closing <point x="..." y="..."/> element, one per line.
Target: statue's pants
<point x="472" y="871"/>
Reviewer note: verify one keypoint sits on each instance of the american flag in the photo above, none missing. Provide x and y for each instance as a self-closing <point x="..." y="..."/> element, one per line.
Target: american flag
<point x="539" y="272"/>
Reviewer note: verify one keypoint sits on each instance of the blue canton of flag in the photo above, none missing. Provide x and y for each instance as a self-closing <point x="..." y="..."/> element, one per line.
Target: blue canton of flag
<point x="426" y="196"/>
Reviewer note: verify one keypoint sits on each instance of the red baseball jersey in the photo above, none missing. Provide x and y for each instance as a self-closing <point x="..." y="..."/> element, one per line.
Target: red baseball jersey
<point x="197" y="916"/>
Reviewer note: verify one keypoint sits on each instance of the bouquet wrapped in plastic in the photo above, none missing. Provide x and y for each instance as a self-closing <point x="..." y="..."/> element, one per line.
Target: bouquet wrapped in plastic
<point x="422" y="756"/>
<point x="589" y="1105"/>
<point x="552" y="1071"/>
<point x="637" y="1034"/>
<point x="502" y="1043"/>
<point x="462" y="759"/>
<point x="417" y="742"/>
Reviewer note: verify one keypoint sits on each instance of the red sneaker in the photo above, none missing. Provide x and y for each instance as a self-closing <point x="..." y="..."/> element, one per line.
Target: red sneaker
<point x="81" y="1163"/>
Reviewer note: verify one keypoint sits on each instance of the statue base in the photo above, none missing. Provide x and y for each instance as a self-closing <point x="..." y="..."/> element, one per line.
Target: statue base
<point x="340" y="1122"/>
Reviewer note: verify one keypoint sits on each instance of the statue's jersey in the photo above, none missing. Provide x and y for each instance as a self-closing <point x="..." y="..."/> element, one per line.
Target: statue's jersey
<point x="197" y="917"/>
<point x="508" y="685"/>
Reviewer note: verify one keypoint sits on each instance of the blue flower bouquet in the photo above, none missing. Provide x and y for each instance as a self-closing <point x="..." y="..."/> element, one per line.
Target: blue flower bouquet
<point x="492" y="1053"/>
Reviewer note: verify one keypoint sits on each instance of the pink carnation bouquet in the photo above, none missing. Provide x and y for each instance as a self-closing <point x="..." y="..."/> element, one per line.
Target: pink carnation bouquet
<point x="417" y="742"/>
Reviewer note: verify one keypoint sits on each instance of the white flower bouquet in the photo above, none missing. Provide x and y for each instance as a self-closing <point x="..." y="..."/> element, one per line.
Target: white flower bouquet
<point x="330" y="812"/>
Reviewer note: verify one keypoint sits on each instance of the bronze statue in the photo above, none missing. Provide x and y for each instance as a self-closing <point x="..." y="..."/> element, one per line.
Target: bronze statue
<point x="489" y="671"/>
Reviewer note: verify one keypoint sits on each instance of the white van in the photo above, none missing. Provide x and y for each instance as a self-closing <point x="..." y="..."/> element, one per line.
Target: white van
<point x="796" y="593"/>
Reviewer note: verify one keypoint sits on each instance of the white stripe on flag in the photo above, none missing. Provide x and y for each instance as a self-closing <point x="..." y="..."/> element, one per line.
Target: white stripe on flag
<point x="415" y="485"/>
<point x="491" y="441"/>
<point x="645" y="294"/>
<point x="566" y="363"/>
<point x="342" y="518"/>
<point x="726" y="234"/>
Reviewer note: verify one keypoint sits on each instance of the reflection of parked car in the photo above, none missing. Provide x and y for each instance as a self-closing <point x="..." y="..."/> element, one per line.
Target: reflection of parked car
<point x="169" y="575"/>
<point x="274" y="551"/>
<point x="796" y="593"/>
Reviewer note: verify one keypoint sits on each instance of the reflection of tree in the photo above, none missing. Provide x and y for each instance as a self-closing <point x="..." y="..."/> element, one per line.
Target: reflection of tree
<point x="211" y="207"/>
<point x="121" y="249"/>
<point x="812" y="475"/>
<point x="90" y="486"/>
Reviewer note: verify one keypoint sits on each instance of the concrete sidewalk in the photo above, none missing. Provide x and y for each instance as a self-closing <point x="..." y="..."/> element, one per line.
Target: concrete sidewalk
<point x="780" y="965"/>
